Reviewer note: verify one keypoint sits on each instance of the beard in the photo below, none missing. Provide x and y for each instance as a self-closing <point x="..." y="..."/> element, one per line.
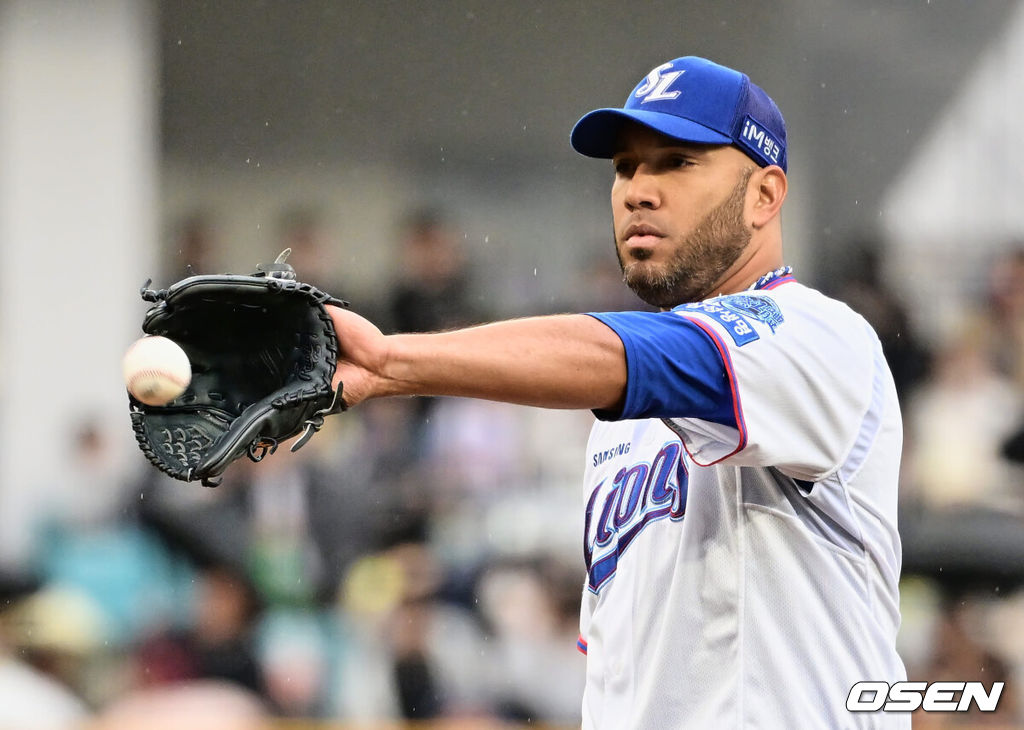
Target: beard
<point x="699" y="261"/>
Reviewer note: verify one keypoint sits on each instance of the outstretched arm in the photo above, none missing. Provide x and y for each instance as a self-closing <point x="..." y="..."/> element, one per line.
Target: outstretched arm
<point x="557" y="361"/>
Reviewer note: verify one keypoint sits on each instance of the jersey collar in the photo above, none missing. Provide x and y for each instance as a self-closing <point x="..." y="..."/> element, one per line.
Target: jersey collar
<point x="774" y="278"/>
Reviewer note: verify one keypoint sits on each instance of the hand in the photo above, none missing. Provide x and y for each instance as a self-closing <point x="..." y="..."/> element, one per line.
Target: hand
<point x="362" y="353"/>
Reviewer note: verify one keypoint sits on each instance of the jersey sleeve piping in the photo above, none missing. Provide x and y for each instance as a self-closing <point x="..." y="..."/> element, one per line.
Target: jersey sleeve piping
<point x="741" y="425"/>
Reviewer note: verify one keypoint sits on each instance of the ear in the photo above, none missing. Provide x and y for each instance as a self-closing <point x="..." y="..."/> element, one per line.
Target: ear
<point x="770" y="185"/>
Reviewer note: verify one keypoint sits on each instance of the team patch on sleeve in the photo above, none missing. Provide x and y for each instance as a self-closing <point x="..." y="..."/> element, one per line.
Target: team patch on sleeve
<point x="735" y="324"/>
<point x="763" y="309"/>
<point x="734" y="313"/>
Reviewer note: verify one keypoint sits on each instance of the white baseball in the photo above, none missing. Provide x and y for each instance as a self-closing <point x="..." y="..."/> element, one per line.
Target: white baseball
<point x="156" y="370"/>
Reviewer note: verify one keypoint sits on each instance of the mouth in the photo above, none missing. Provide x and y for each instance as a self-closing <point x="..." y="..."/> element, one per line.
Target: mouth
<point x="641" y="237"/>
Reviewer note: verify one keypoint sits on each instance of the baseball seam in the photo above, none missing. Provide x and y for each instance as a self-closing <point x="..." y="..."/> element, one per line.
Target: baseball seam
<point x="158" y="374"/>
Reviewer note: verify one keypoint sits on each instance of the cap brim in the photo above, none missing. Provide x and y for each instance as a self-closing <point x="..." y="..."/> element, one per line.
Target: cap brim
<point x="597" y="134"/>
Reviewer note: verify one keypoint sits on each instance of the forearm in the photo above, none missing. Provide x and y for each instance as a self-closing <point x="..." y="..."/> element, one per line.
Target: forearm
<point x="560" y="361"/>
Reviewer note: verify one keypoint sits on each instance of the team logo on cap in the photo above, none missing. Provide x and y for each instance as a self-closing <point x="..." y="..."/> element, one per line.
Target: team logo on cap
<point x="655" y="86"/>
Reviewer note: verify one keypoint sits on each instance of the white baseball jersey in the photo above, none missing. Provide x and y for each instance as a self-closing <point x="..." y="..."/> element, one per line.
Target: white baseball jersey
<point x="741" y="545"/>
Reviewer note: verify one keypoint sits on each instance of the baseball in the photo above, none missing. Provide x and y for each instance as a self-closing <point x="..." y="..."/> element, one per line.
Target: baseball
<point x="156" y="370"/>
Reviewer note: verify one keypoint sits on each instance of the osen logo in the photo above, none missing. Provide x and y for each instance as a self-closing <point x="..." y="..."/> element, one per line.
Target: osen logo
<point x="933" y="697"/>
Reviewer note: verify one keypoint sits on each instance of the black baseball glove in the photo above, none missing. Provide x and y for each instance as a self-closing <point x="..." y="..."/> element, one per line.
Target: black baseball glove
<point x="263" y="352"/>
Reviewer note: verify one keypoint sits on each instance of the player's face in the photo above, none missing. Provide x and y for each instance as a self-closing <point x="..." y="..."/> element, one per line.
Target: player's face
<point x="679" y="215"/>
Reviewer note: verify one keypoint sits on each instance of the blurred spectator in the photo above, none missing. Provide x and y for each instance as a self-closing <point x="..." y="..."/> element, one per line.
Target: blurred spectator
<point x="599" y="287"/>
<point x="368" y="486"/>
<point x="193" y="248"/>
<point x="412" y="654"/>
<point x="495" y="484"/>
<point x="532" y="613"/>
<point x="34" y="701"/>
<point x="863" y="288"/>
<point x="296" y="654"/>
<point x="1006" y="307"/>
<point x="222" y="638"/>
<point x="303" y="229"/>
<point x="460" y="448"/>
<point x="959" y="655"/>
<point x="1005" y="627"/>
<point x="1005" y="314"/>
<point x="956" y="425"/>
<point x="217" y="643"/>
<point x="258" y="521"/>
<point x="282" y="554"/>
<point x="93" y="492"/>
<point x="90" y="541"/>
<point x="293" y="523"/>
<point x="1013" y="447"/>
<point x="433" y="291"/>
<point x="435" y="646"/>
<point x="57" y="634"/>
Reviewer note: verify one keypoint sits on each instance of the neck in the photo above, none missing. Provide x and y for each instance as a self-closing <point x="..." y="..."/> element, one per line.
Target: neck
<point x="755" y="261"/>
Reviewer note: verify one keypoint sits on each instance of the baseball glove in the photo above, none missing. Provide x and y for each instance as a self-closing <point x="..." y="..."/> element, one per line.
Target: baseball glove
<point x="263" y="352"/>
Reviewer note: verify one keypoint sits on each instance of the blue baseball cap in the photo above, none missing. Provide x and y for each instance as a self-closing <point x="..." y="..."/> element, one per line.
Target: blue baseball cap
<point x="695" y="100"/>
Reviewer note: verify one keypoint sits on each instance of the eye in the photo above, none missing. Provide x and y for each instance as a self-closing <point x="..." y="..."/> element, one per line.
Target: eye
<point x="623" y="167"/>
<point x="675" y="162"/>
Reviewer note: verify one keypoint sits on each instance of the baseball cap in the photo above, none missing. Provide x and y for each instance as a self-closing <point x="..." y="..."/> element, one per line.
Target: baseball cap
<point x="695" y="100"/>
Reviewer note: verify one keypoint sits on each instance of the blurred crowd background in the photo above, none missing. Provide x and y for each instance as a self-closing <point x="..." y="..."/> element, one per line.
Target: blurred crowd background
<point x="420" y="559"/>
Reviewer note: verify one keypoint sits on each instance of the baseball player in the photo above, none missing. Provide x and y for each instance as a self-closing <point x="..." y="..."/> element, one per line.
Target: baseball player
<point x="740" y="546"/>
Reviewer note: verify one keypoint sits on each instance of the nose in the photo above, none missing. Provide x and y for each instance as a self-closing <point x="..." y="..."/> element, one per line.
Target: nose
<point x="642" y="190"/>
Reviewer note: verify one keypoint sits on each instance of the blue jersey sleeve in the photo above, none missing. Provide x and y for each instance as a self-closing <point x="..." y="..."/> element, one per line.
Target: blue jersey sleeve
<point x="674" y="369"/>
